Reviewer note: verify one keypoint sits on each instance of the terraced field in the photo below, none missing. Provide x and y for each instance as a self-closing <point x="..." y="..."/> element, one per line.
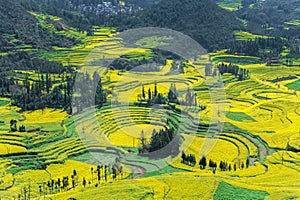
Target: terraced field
<point x="251" y="123"/>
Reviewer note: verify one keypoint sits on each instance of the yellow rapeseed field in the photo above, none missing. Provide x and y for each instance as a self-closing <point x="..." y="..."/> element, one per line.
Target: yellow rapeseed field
<point x="44" y="116"/>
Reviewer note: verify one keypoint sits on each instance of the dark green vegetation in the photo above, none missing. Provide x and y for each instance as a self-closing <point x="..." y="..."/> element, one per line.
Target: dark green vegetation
<point x="272" y="13"/>
<point x="160" y="139"/>
<point x="226" y="191"/>
<point x="63" y="184"/>
<point x="275" y="20"/>
<point x="240" y="73"/>
<point x="203" y="163"/>
<point x="3" y="103"/>
<point x="263" y="48"/>
<point x="83" y="14"/>
<point x="135" y="62"/>
<point x="193" y="19"/>
<point x="144" y="3"/>
<point x="213" y="30"/>
<point x="166" y="170"/>
<point x="150" y="97"/>
<point x="53" y="90"/>
<point x="239" y="116"/>
<point x="19" y="30"/>
<point x="294" y="85"/>
<point x="237" y="60"/>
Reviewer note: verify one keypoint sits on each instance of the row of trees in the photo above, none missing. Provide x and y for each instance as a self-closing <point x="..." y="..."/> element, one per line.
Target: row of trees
<point x="13" y="126"/>
<point x="223" y="165"/>
<point x="102" y="172"/>
<point x="54" y="91"/>
<point x="240" y="73"/>
<point x="259" y="47"/>
<point x="188" y="159"/>
<point x="154" y="97"/>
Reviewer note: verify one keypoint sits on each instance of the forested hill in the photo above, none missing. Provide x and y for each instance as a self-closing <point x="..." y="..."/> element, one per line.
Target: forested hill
<point x="273" y="17"/>
<point x="20" y="30"/>
<point x="16" y="26"/>
<point x="142" y="3"/>
<point x="273" y="12"/>
<point x="203" y="20"/>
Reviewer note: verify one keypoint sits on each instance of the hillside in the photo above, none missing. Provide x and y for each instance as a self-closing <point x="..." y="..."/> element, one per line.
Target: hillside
<point x="19" y="30"/>
<point x="203" y="20"/>
<point x="274" y="17"/>
<point x="89" y="113"/>
<point x="144" y="3"/>
<point x="83" y="14"/>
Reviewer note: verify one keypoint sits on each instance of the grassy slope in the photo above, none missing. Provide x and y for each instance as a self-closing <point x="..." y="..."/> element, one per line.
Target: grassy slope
<point x="226" y="191"/>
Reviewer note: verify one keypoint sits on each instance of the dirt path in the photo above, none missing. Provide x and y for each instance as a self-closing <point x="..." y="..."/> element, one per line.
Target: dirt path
<point x="137" y="171"/>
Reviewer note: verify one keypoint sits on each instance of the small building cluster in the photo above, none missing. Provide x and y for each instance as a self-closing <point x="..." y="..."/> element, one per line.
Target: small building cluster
<point x="107" y="8"/>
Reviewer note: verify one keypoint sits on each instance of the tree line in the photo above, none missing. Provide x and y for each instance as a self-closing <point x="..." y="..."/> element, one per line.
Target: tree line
<point x="240" y="73"/>
<point x="98" y="175"/>
<point x="155" y="97"/>
<point x="54" y="91"/>
<point x="223" y="165"/>
<point x="258" y="47"/>
<point x="13" y="126"/>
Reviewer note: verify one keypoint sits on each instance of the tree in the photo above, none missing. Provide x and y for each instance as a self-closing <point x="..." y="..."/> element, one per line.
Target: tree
<point x="143" y="93"/>
<point x="149" y="94"/>
<point x="22" y="128"/>
<point x="161" y="139"/>
<point x="13" y="125"/>
<point x="48" y="83"/>
<point x="73" y="181"/>
<point x="92" y="173"/>
<point x="105" y="172"/>
<point x="74" y="172"/>
<point x="155" y="89"/>
<point x="172" y="94"/>
<point x="183" y="157"/>
<point x="84" y="182"/>
<point x="40" y="190"/>
<point x="98" y="173"/>
<point x="188" y="97"/>
<point x="202" y="162"/>
<point x="114" y="172"/>
<point x="208" y="69"/>
<point x="143" y="139"/>
<point x="58" y="183"/>
<point x="65" y="182"/>
<point x="221" y="166"/>
<point x="192" y="160"/>
<point x="247" y="162"/>
<point x="100" y="96"/>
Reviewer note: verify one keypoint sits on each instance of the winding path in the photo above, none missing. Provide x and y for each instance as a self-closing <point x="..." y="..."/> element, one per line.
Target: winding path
<point x="137" y="170"/>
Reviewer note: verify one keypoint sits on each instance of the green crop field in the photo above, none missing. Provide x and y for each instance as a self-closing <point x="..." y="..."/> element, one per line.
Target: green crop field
<point x="231" y="5"/>
<point x="238" y="116"/>
<point x="226" y="191"/>
<point x="294" y="85"/>
<point x="293" y="23"/>
<point x="242" y="35"/>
